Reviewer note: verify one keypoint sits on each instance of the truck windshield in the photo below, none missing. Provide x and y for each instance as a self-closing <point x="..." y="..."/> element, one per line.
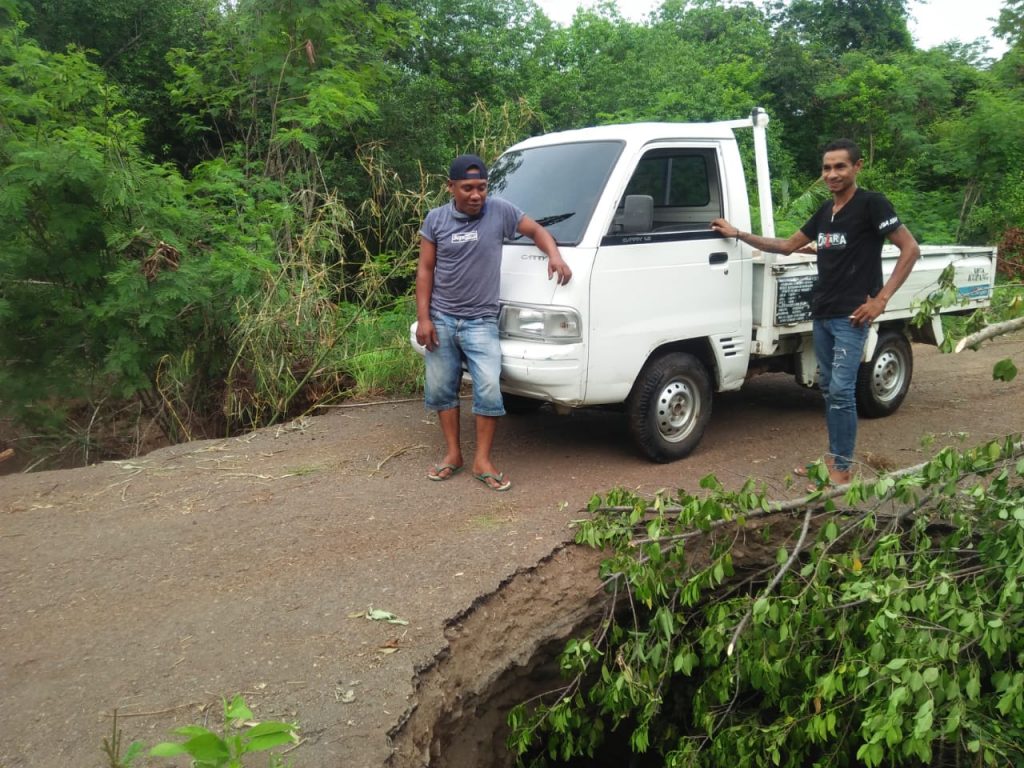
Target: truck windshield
<point x="558" y="186"/>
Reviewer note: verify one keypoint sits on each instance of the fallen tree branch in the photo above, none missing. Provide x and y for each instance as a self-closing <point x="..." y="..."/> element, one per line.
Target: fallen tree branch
<point x="772" y="584"/>
<point x="893" y="551"/>
<point x="825" y="492"/>
<point x="996" y="329"/>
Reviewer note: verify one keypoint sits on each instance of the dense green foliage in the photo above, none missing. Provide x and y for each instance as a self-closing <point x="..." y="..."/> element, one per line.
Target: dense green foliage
<point x="209" y="210"/>
<point x="97" y="290"/>
<point x="885" y="632"/>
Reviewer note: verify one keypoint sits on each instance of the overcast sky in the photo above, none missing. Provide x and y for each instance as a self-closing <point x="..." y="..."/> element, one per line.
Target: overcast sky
<point x="933" y="21"/>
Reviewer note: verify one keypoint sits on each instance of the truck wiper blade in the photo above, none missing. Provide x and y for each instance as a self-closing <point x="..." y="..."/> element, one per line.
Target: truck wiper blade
<point x="555" y="219"/>
<point x="549" y="220"/>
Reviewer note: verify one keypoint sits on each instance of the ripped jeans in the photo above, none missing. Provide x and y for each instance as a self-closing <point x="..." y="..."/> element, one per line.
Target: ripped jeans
<point x="838" y="347"/>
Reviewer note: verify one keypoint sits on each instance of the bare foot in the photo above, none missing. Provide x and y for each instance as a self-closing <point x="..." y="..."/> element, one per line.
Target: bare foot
<point x="835" y="477"/>
<point x="838" y="476"/>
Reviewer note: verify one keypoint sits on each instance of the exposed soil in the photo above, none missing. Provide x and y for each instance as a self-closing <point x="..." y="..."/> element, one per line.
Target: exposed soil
<point x="154" y="586"/>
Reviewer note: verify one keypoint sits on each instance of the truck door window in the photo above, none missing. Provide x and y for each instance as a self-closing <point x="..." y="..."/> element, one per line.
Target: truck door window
<point x="683" y="184"/>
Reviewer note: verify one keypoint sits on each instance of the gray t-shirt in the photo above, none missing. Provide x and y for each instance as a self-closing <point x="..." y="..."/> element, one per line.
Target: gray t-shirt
<point x="467" y="273"/>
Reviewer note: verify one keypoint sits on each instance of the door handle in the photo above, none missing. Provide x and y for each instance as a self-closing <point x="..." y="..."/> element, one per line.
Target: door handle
<point x="719" y="257"/>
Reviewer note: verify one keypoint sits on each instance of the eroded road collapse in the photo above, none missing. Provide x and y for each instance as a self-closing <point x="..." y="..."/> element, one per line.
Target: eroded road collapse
<point x="501" y="651"/>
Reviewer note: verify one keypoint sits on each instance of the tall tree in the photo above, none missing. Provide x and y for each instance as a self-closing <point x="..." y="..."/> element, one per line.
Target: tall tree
<point x="841" y="26"/>
<point x="107" y="268"/>
<point x="285" y="72"/>
<point x="1010" y="25"/>
<point x="129" y="40"/>
<point x="462" y="53"/>
<point x="983" y="149"/>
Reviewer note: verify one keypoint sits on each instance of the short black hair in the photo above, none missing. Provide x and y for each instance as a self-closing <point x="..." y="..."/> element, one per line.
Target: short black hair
<point x="848" y="144"/>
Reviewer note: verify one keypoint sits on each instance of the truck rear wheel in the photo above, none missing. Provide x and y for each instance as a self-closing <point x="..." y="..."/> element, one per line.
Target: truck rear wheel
<point x="884" y="380"/>
<point x="669" y="406"/>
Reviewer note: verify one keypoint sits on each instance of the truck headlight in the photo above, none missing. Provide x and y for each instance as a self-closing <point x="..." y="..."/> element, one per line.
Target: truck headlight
<point x="551" y="325"/>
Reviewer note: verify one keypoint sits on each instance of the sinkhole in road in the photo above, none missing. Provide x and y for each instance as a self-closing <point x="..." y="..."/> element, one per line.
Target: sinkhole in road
<point x="501" y="651"/>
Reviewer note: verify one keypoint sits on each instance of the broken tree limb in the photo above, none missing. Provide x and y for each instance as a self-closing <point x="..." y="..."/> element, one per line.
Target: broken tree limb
<point x="989" y="332"/>
<point x="771" y="585"/>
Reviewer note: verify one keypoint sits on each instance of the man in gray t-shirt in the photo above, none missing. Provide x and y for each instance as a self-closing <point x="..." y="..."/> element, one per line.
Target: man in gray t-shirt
<point x="457" y="283"/>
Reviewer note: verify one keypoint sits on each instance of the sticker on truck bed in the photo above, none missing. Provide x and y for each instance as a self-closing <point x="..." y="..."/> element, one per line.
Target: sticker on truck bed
<point x="973" y="292"/>
<point x="793" y="299"/>
<point x="974" y="284"/>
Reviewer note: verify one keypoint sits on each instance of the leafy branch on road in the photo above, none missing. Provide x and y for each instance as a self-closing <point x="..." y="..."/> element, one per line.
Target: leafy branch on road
<point x="875" y="626"/>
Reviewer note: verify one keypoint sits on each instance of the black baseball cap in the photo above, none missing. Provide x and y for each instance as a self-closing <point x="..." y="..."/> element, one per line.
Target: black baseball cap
<point x="467" y="167"/>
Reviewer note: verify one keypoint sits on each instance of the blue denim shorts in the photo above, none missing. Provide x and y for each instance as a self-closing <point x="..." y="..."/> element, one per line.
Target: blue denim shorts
<point x="475" y="342"/>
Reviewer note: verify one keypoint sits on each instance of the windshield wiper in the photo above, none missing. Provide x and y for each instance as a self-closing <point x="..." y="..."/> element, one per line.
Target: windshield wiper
<point x="547" y="221"/>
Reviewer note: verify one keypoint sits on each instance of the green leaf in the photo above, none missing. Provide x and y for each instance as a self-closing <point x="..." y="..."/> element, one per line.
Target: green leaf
<point x="664" y="617"/>
<point x="237" y="710"/>
<point x="269" y="741"/>
<point x="684" y="662"/>
<point x="1004" y="370"/>
<point x="760" y="607"/>
<point x="167" y="749"/>
<point x="208" y="748"/>
<point x="923" y="718"/>
<point x="973" y="687"/>
<point x="135" y="749"/>
<point x="269" y="726"/>
<point x="192" y="730"/>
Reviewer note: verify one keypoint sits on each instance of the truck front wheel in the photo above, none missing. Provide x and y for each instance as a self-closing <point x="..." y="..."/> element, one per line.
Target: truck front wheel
<point x="669" y="406"/>
<point x="883" y="381"/>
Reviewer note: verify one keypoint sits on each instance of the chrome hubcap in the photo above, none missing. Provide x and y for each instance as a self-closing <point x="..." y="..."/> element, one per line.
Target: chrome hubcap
<point x="678" y="408"/>
<point x="888" y="375"/>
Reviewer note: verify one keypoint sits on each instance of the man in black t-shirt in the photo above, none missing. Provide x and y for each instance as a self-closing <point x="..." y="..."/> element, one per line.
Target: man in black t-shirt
<point x="848" y="232"/>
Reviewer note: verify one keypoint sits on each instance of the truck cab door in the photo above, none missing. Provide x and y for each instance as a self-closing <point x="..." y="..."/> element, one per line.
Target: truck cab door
<point x="662" y="275"/>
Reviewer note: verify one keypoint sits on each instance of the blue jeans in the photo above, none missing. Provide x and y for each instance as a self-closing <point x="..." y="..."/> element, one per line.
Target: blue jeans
<point x="475" y="342"/>
<point x="838" y="347"/>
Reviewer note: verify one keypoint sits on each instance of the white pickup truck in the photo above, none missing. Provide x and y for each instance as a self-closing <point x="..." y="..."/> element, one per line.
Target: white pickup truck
<point x="662" y="311"/>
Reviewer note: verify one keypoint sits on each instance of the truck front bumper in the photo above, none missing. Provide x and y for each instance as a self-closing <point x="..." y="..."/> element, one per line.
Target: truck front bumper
<point x="552" y="372"/>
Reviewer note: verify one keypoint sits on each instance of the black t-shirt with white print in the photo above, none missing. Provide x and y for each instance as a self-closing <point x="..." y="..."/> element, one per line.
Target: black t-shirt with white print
<point x="849" y="251"/>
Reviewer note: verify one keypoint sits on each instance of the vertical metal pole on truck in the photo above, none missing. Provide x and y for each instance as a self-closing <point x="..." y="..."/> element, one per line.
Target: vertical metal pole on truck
<point x="765" y="339"/>
<point x="759" y="121"/>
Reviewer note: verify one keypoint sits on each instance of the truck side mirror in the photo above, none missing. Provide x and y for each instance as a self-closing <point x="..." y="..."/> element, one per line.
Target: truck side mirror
<point x="638" y="213"/>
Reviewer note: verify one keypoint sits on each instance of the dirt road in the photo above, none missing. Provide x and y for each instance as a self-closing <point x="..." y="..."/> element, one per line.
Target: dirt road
<point x="157" y="585"/>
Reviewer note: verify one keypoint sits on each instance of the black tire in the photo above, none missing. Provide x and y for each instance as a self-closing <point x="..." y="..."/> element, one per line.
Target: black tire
<point x="517" y="405"/>
<point x="883" y="381"/>
<point x="669" y="406"/>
